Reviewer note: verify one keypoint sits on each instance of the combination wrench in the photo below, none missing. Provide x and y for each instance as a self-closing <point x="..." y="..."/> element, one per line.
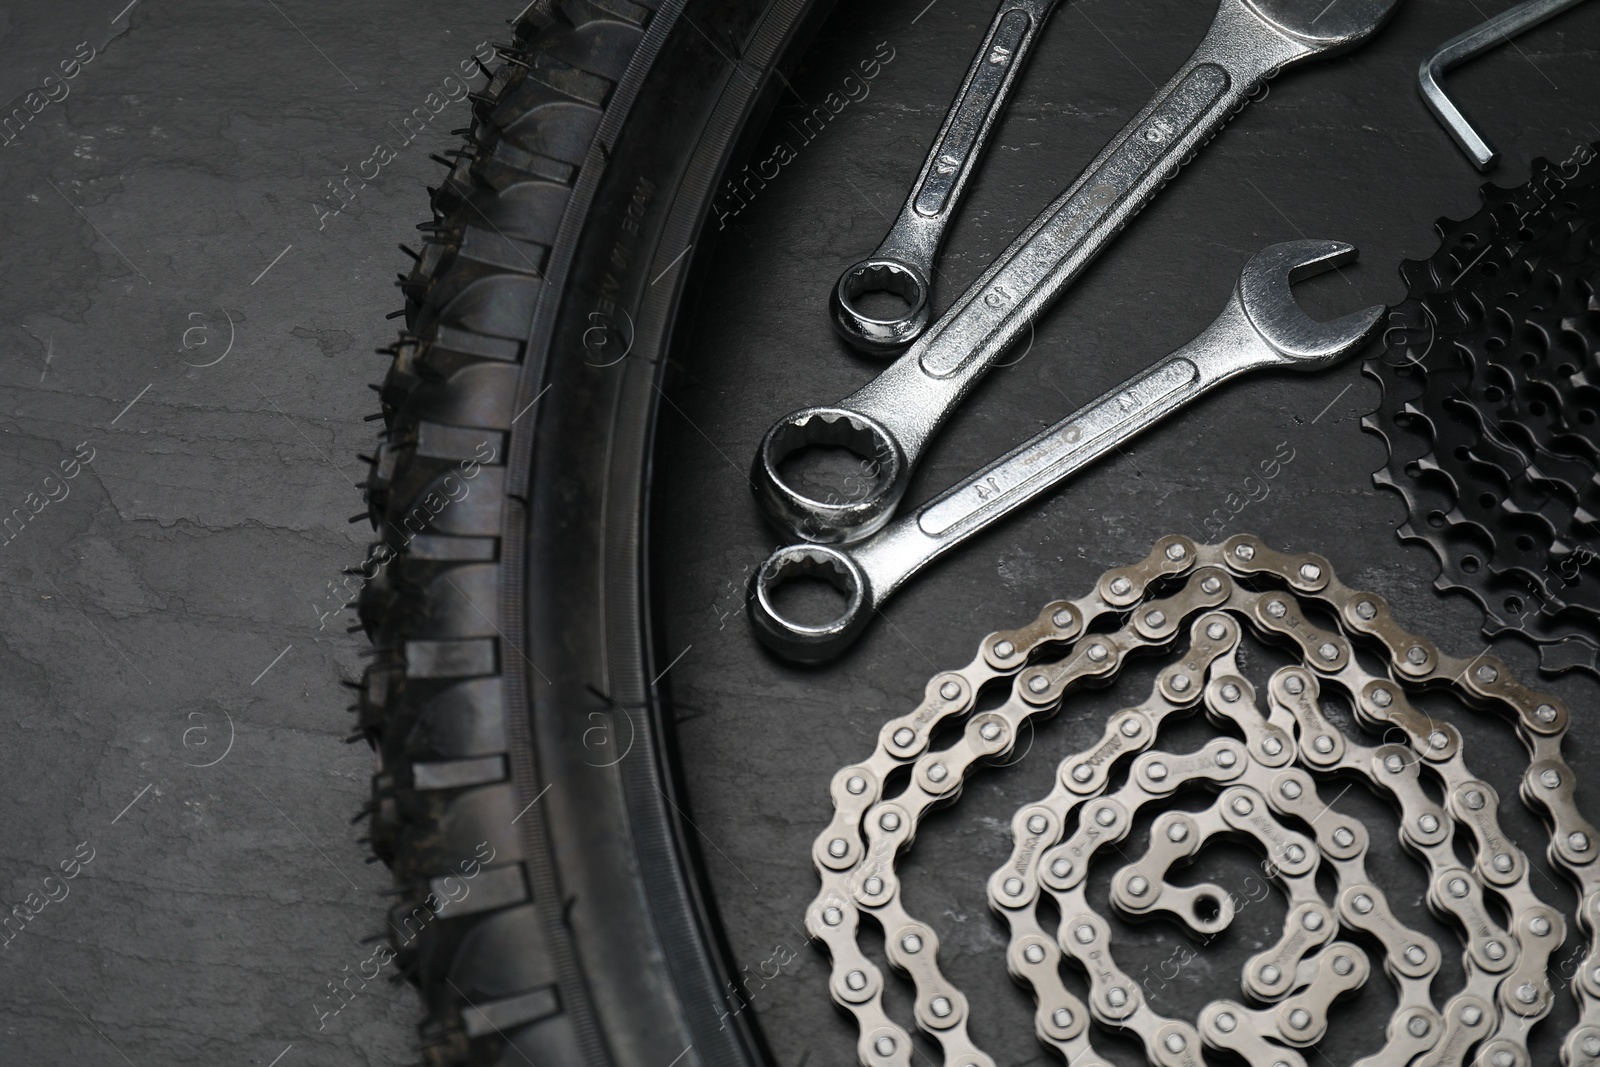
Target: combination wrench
<point x="1260" y="327"/>
<point x="903" y="263"/>
<point x="888" y="422"/>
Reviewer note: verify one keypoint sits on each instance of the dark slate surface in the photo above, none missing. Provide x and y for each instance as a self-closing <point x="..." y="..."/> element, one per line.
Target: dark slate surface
<point x="1339" y="149"/>
<point x="172" y="608"/>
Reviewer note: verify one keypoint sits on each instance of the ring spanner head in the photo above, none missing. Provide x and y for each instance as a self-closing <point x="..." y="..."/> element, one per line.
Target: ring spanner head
<point x="873" y="333"/>
<point x="803" y="642"/>
<point x="880" y="480"/>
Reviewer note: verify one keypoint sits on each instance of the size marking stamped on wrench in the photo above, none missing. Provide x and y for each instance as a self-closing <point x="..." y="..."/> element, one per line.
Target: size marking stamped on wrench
<point x="891" y="419"/>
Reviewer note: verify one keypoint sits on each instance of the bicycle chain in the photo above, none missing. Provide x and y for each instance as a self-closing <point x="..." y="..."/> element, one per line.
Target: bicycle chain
<point x="1267" y="774"/>
<point x="1498" y="481"/>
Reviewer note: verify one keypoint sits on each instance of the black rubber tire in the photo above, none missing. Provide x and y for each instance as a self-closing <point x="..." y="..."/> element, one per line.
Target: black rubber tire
<point x="552" y="907"/>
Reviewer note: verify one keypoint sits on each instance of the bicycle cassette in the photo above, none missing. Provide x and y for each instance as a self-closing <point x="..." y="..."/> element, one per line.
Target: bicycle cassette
<point x="1489" y="410"/>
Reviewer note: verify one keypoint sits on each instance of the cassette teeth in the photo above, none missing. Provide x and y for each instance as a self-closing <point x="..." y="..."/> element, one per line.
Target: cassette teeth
<point x="1491" y="409"/>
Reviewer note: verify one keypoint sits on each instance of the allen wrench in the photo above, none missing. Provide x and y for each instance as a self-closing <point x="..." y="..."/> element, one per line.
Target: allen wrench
<point x="1457" y="50"/>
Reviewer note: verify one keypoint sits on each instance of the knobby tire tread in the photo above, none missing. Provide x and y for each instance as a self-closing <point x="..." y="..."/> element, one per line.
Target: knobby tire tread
<point x="499" y="925"/>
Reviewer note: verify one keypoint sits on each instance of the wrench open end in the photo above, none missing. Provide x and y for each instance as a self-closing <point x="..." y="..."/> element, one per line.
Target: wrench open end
<point x="1265" y="295"/>
<point x="810" y="643"/>
<point x="870" y="334"/>
<point x="860" y="512"/>
<point x="1332" y="25"/>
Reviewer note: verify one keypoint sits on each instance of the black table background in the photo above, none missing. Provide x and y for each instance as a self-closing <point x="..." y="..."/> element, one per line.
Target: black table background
<point x="145" y="614"/>
<point x="1341" y="148"/>
<point x="208" y="535"/>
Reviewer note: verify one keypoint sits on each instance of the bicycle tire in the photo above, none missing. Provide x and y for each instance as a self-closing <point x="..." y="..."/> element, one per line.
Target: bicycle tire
<point x="552" y="905"/>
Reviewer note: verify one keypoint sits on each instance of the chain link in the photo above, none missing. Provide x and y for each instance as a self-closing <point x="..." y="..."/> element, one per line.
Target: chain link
<point x="1272" y="772"/>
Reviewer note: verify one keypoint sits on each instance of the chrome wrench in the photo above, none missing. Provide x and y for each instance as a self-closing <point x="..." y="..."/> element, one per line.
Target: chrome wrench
<point x="1260" y="327"/>
<point x="889" y="421"/>
<point x="903" y="263"/>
